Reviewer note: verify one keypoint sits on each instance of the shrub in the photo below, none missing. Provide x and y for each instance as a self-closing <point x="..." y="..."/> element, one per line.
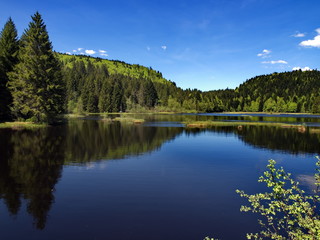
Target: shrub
<point x="288" y="212"/>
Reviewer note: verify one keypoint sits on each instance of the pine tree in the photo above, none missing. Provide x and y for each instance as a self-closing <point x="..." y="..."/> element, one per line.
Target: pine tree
<point x="117" y="102"/>
<point x="105" y="97"/>
<point x="8" y="58"/>
<point x="36" y="82"/>
<point x="147" y="95"/>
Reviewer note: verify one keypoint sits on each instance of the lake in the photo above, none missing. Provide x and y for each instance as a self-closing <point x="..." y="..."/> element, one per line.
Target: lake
<point x="93" y="178"/>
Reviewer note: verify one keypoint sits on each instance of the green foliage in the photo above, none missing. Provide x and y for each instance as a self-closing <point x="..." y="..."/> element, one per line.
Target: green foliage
<point x="36" y="81"/>
<point x="288" y="212"/>
<point x="8" y="58"/>
<point x="316" y="105"/>
<point x="295" y="91"/>
<point x="146" y="89"/>
<point x="100" y="91"/>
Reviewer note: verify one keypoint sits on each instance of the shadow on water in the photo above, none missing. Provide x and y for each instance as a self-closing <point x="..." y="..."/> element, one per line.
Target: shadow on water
<point x="285" y="140"/>
<point x="31" y="161"/>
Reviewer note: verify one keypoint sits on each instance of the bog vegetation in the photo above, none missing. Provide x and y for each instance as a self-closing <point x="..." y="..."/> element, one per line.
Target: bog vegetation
<point x="38" y="84"/>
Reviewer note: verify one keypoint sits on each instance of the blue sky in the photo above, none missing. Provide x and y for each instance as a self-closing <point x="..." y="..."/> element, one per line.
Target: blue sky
<point x="208" y="44"/>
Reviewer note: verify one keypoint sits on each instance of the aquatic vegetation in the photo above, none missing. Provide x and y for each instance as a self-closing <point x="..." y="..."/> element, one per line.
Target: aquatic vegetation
<point x="207" y="124"/>
<point x="21" y="125"/>
<point x="129" y="120"/>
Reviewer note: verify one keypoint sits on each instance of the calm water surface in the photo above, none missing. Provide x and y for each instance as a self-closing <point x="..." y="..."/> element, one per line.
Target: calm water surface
<point x="94" y="179"/>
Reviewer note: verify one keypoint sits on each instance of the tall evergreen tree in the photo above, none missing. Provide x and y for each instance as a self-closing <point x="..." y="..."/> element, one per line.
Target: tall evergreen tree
<point x="8" y="58"/>
<point x="105" y="97"/>
<point x="36" y="82"/>
<point x="117" y="96"/>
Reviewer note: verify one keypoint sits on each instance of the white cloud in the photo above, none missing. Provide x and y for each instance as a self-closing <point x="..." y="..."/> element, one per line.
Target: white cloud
<point x="275" y="62"/>
<point x="311" y="43"/>
<point x="298" y="35"/>
<point x="164" y="47"/>
<point x="148" y="48"/>
<point x="302" y="69"/>
<point x="69" y="53"/>
<point x="80" y="49"/>
<point x="90" y="52"/>
<point x="103" y="53"/>
<point x="74" y="51"/>
<point x="265" y="53"/>
<point x="315" y="42"/>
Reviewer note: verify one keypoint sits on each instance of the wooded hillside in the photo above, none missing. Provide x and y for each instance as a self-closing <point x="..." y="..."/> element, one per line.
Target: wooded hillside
<point x="100" y="85"/>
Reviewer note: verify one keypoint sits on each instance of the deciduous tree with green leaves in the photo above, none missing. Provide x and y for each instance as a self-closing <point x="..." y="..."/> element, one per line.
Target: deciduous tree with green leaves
<point x="288" y="211"/>
<point x="36" y="82"/>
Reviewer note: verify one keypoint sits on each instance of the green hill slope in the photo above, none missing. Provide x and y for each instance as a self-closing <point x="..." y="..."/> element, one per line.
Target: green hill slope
<point x="101" y="85"/>
<point x="117" y="67"/>
<point x="295" y="91"/>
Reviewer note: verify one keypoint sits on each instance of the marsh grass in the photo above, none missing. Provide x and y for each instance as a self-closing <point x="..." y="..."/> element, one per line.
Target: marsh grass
<point x="208" y="124"/>
<point x="21" y="125"/>
<point x="315" y="130"/>
<point x="129" y="120"/>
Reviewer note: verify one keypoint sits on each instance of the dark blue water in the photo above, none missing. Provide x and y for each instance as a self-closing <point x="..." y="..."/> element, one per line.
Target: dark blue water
<point x="91" y="179"/>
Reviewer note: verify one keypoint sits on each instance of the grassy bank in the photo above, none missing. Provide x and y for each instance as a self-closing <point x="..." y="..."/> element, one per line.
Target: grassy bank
<point x="129" y="120"/>
<point x="207" y="124"/>
<point x="21" y="125"/>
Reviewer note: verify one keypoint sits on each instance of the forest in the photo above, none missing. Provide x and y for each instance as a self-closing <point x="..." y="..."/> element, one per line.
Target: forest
<point x="117" y="86"/>
<point x="39" y="84"/>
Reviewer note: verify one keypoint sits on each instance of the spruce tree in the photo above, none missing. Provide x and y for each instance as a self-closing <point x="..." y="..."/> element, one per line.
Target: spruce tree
<point x="105" y="96"/>
<point x="36" y="82"/>
<point x="117" y="102"/>
<point x="8" y="58"/>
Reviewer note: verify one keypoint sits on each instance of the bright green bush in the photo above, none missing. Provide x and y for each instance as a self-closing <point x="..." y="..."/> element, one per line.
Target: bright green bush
<point x="288" y="212"/>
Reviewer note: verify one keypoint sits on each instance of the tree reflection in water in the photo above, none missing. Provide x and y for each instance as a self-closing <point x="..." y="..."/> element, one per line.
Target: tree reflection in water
<point x="31" y="161"/>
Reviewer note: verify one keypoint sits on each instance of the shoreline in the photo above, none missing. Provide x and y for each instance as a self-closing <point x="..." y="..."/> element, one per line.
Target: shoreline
<point x="272" y="113"/>
<point x="22" y="125"/>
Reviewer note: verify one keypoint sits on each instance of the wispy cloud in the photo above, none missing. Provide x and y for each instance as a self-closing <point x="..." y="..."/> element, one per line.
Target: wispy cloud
<point x="90" y="52"/>
<point x="315" y="42"/>
<point x="264" y="54"/>
<point x="299" y="35"/>
<point x="164" y="47"/>
<point x="275" y="62"/>
<point x="302" y="69"/>
<point x="148" y="48"/>
<point x="83" y="51"/>
<point x="103" y="53"/>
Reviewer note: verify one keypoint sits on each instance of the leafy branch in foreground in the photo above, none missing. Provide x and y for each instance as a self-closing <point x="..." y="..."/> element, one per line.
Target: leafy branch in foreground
<point x="287" y="211"/>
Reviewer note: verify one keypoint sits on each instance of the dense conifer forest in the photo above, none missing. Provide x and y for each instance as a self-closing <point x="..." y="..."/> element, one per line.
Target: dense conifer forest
<point x="39" y="84"/>
<point x="99" y="85"/>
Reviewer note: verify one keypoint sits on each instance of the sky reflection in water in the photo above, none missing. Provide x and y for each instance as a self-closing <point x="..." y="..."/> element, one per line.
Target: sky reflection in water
<point x="96" y="180"/>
